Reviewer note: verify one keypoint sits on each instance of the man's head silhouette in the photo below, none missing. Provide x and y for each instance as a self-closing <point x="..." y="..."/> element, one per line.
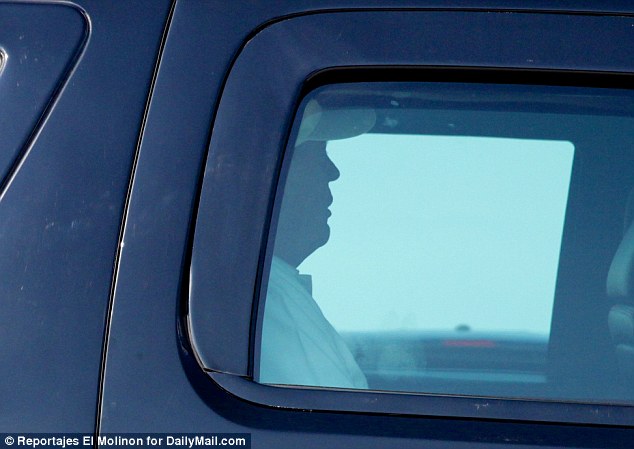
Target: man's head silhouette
<point x="303" y="224"/>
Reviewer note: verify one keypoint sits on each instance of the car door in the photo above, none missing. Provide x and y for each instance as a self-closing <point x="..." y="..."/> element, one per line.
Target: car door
<point x="185" y="343"/>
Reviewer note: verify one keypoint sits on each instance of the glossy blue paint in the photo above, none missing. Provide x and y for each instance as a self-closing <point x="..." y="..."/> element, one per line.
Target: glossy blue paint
<point x="40" y="44"/>
<point x="60" y="216"/>
<point x="150" y="365"/>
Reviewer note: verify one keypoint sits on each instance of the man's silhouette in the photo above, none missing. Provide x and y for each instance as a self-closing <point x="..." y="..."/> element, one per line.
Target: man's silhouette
<point x="299" y="345"/>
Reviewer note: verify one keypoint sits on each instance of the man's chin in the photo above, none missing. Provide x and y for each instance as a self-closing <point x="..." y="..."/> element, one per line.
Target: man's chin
<point x="323" y="239"/>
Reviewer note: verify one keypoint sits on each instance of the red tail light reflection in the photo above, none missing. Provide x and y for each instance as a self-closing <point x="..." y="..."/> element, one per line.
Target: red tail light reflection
<point x="469" y="343"/>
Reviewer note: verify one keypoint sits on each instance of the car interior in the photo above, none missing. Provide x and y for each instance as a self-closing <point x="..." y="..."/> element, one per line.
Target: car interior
<point x="589" y="353"/>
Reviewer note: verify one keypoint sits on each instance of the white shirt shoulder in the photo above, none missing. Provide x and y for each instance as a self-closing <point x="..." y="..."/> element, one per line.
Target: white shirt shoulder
<point x="299" y="345"/>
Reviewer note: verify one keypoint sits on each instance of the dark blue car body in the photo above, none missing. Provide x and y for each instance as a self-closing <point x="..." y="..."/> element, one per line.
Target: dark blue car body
<point x="126" y="127"/>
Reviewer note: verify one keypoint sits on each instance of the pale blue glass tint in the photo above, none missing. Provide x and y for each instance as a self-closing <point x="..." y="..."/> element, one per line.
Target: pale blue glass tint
<point x="454" y="239"/>
<point x="438" y="232"/>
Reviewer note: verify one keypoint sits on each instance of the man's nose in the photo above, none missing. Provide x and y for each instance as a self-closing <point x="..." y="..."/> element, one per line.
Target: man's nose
<point x="331" y="170"/>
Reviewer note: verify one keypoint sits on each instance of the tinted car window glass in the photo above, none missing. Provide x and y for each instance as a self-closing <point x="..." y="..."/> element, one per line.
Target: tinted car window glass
<point x="453" y="238"/>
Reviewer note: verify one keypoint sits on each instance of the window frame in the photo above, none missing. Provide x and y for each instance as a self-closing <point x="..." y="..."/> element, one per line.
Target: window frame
<point x="232" y="364"/>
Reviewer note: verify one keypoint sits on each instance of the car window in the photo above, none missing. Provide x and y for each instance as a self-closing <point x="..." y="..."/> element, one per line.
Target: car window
<point x="451" y="238"/>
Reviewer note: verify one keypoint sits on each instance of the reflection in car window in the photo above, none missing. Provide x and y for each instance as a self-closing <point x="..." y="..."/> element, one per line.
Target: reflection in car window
<point x="428" y="240"/>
